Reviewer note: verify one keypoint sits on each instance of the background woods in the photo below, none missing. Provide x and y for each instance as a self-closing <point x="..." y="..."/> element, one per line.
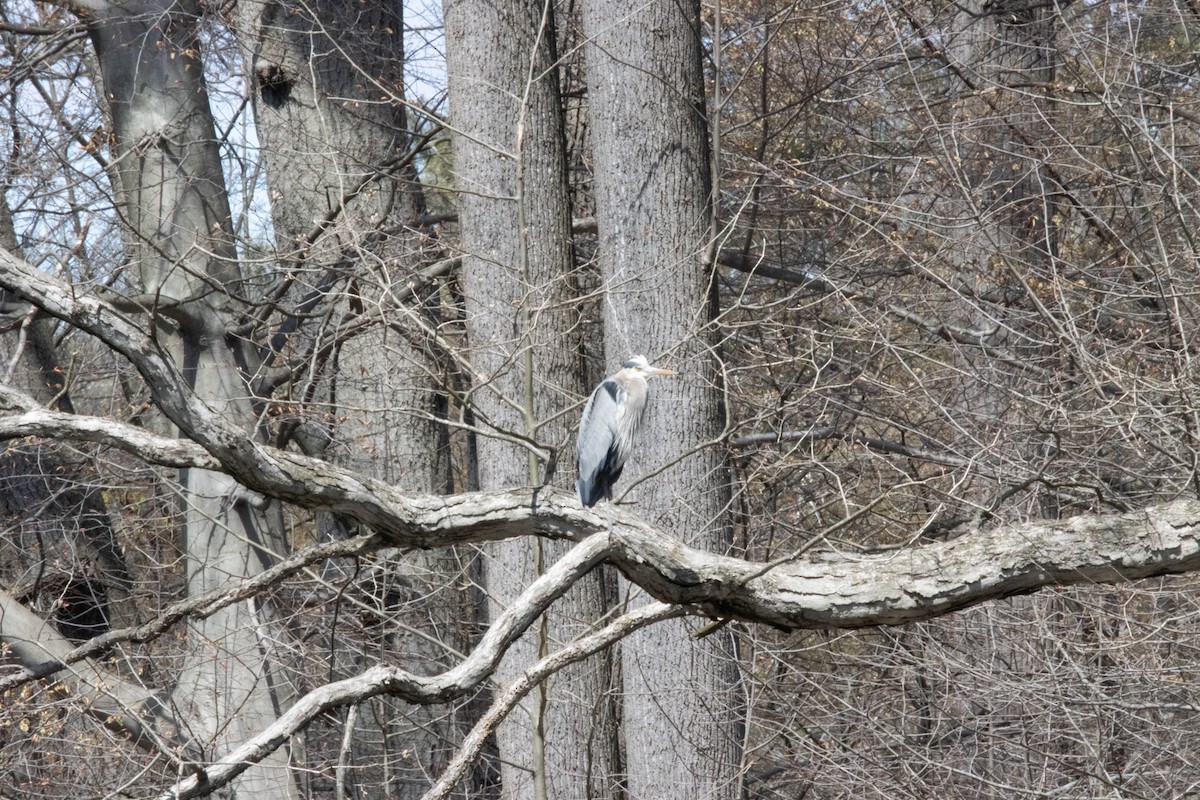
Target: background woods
<point x="301" y="301"/>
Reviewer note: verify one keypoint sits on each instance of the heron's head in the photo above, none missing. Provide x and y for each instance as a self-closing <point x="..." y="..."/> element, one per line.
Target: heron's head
<point x="641" y="366"/>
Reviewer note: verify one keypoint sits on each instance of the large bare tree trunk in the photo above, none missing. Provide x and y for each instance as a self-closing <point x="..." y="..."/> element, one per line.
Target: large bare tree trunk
<point x="524" y="336"/>
<point x="649" y="136"/>
<point x="343" y="195"/>
<point x="186" y="265"/>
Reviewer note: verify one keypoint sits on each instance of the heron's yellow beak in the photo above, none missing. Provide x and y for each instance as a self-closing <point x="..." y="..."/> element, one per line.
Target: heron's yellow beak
<point x="657" y="371"/>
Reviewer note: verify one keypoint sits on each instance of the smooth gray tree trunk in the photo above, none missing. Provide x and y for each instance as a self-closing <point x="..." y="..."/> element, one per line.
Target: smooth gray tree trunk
<point x="681" y="717"/>
<point x="186" y="266"/>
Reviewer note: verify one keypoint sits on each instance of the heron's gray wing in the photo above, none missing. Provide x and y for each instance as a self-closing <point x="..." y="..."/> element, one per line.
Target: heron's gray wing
<point x="598" y="428"/>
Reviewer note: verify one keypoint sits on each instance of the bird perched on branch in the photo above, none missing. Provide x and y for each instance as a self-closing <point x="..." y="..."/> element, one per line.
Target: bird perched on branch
<point x="610" y="422"/>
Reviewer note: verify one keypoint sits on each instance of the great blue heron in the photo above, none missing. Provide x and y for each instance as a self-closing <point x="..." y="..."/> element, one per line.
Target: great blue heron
<point x="610" y="421"/>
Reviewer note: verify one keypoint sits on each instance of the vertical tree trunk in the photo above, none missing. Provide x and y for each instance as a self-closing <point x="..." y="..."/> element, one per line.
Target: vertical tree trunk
<point x="333" y="139"/>
<point x="514" y="209"/>
<point x="1003" y="54"/>
<point x="186" y="263"/>
<point x="649" y="137"/>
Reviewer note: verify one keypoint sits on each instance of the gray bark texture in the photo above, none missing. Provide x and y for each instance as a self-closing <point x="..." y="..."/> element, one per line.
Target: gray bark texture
<point x="517" y="274"/>
<point x="343" y="193"/>
<point x="814" y="589"/>
<point x="649" y="136"/>
<point x="185" y="263"/>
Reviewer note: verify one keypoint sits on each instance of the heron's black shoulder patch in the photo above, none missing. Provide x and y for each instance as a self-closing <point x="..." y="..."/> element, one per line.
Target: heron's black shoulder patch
<point x="612" y="388"/>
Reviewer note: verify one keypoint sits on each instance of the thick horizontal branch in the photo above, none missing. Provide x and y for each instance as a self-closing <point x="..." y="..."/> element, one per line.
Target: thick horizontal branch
<point x="813" y="591"/>
<point x="838" y="590"/>
<point x="842" y="590"/>
<point x="817" y="590"/>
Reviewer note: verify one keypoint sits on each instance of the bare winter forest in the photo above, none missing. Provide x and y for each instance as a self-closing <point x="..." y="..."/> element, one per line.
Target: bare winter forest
<point x="300" y="301"/>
